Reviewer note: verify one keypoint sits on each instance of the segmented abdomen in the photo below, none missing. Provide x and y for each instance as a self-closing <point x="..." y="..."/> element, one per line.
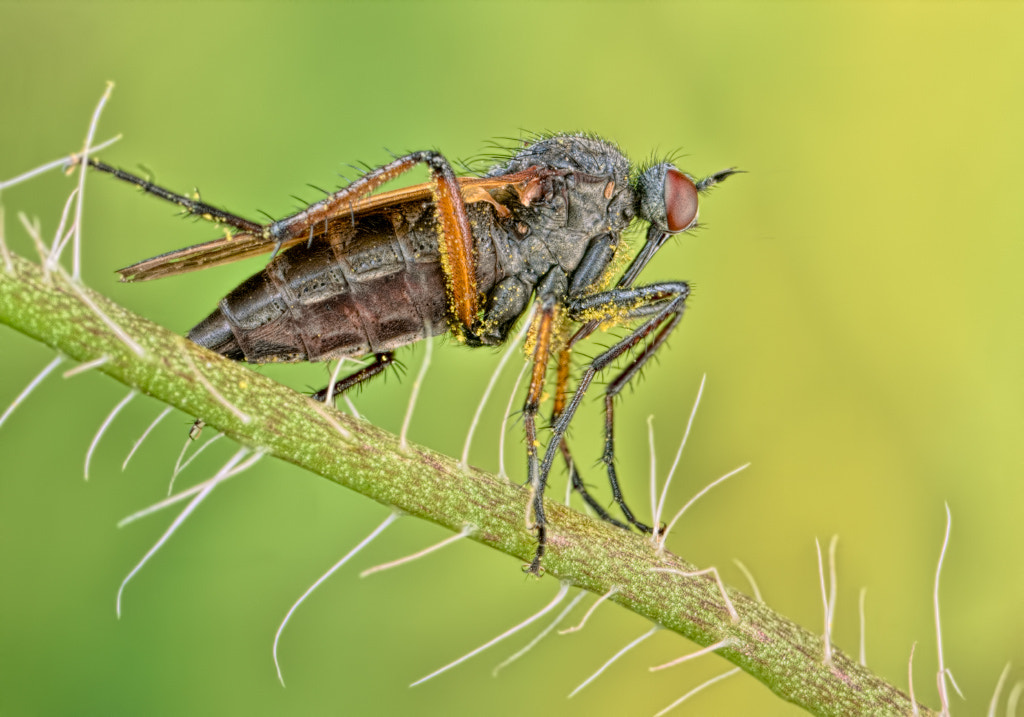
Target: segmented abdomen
<point x="356" y="289"/>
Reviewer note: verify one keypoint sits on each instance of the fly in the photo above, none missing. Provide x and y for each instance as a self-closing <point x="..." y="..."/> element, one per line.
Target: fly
<point x="362" y="274"/>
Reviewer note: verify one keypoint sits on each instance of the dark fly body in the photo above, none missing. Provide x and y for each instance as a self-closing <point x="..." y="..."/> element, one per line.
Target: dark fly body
<point x="362" y="274"/>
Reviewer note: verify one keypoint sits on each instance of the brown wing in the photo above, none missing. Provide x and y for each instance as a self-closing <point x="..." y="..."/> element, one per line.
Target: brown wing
<point x="220" y="251"/>
<point x="229" y="249"/>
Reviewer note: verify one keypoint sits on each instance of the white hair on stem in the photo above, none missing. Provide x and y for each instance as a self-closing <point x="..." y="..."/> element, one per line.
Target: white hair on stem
<point x="513" y="346"/>
<point x="544" y="633"/>
<point x="653" y="459"/>
<point x="589" y="612"/>
<point x="50" y="258"/>
<point x="750" y="579"/>
<point x="60" y="237"/>
<point x="87" y="366"/>
<point x="403" y="442"/>
<point x="733" y="614"/>
<point x="994" y="703"/>
<point x="45" y="256"/>
<point x="20" y="398"/>
<point x="694" y="655"/>
<point x="351" y="406"/>
<point x="180" y="466"/>
<point x="231" y="468"/>
<point x="35" y="233"/>
<point x="952" y="681"/>
<point x="323" y="411"/>
<point x="322" y="408"/>
<point x="660" y="539"/>
<point x="166" y="502"/>
<point x="698" y="688"/>
<point x="679" y="454"/>
<point x="334" y="380"/>
<point x="114" y="327"/>
<point x="392" y="517"/>
<point x="614" y="658"/>
<point x="910" y="681"/>
<point x="331" y="395"/>
<point x="183" y="463"/>
<point x="941" y="674"/>
<point x="1014" y="699"/>
<point x="62" y="163"/>
<point x="464" y="533"/>
<point x="568" y="487"/>
<point x="217" y="395"/>
<point x="562" y="591"/>
<point x="828" y="597"/>
<point x="504" y="422"/>
<point x="76" y="257"/>
<point x="863" y="653"/>
<point x="181" y="456"/>
<point x="4" y="252"/>
<point x="103" y="428"/>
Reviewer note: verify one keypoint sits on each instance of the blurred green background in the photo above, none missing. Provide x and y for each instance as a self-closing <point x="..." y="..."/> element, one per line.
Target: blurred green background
<point x="856" y="309"/>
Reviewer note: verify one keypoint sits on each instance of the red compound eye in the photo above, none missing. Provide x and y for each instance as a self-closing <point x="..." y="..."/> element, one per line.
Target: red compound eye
<point x="680" y="201"/>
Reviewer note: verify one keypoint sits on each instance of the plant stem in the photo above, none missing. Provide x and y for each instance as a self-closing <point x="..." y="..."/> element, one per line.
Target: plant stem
<point x="592" y="555"/>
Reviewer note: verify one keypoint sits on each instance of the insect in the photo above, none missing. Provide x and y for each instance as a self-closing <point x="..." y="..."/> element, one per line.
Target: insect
<point x="361" y="274"/>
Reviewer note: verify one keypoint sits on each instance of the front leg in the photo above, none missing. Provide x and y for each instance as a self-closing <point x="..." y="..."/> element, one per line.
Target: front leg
<point x="561" y="395"/>
<point x="542" y="333"/>
<point x="662" y="305"/>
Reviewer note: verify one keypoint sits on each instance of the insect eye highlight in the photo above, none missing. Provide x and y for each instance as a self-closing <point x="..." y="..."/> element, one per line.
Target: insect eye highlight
<point x="680" y="201"/>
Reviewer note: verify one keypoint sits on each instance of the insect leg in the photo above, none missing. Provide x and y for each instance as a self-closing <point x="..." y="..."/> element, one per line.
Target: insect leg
<point x="543" y="329"/>
<point x="380" y="362"/>
<point x="662" y="305"/>
<point x="457" y="256"/>
<point x="561" y="391"/>
<point x="189" y="204"/>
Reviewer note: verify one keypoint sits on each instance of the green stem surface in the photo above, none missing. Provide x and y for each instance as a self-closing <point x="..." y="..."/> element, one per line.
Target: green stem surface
<point x="587" y="553"/>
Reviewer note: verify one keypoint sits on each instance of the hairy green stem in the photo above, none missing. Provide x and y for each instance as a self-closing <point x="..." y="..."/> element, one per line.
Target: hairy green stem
<point x="260" y="413"/>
